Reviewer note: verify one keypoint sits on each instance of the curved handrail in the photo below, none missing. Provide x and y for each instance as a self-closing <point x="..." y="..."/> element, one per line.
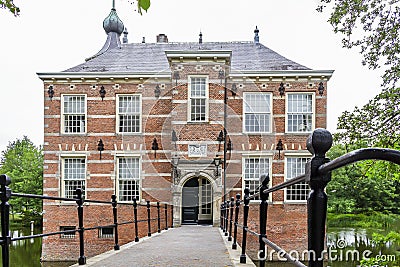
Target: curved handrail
<point x="361" y="154"/>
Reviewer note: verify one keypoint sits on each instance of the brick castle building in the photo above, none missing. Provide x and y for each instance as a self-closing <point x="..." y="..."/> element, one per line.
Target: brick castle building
<point x="146" y="121"/>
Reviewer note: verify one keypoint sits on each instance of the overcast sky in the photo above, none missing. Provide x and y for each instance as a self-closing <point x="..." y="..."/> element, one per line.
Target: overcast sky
<point x="51" y="36"/>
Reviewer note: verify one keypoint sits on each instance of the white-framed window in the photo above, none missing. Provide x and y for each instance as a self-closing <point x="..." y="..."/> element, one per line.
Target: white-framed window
<point x="128" y="185"/>
<point x="68" y="235"/>
<point x="106" y="232"/>
<point x="74" y="176"/>
<point x="198" y="99"/>
<point x="257" y="112"/>
<point x="206" y="196"/>
<point x="129" y="109"/>
<point x="300" y="112"/>
<point x="73" y="114"/>
<point x="253" y="168"/>
<point x="296" y="166"/>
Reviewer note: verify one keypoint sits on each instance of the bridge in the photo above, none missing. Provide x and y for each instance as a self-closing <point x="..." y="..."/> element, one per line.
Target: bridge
<point x="180" y="246"/>
<point x="200" y="245"/>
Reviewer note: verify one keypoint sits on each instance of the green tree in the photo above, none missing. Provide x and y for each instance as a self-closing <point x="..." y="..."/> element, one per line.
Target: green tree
<point x="10" y="6"/>
<point x="23" y="162"/>
<point x="364" y="186"/>
<point x="373" y="26"/>
<point x="376" y="124"/>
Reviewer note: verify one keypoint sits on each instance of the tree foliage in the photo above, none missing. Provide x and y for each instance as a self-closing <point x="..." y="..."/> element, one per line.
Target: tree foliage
<point x="23" y="162"/>
<point x="364" y="186"/>
<point x="373" y="26"/>
<point x="375" y="124"/>
<point x="10" y="6"/>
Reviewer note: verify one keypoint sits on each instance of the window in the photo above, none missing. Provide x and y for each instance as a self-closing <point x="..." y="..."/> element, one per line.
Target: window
<point x="128" y="178"/>
<point x="74" y="114"/>
<point x="198" y="99"/>
<point x="129" y="110"/>
<point x="295" y="166"/>
<point x="69" y="235"/>
<point x="253" y="169"/>
<point x="299" y="112"/>
<point x="257" y="113"/>
<point x="206" y="197"/>
<point x="106" y="232"/>
<point x="74" y="173"/>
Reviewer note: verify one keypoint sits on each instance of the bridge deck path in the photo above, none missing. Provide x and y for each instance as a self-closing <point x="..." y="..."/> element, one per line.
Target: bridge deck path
<point x="183" y="246"/>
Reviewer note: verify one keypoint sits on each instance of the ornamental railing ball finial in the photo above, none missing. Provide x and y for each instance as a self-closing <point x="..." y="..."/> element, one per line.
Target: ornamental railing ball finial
<point x="319" y="142"/>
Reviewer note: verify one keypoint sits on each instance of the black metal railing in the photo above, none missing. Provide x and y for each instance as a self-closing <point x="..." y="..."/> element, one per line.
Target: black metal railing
<point x="317" y="175"/>
<point x="6" y="239"/>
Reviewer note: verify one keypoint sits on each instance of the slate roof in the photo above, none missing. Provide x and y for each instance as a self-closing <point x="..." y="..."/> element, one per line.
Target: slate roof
<point x="151" y="57"/>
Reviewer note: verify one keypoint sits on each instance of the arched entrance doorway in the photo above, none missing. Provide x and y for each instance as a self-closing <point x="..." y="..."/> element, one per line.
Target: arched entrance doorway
<point x="197" y="201"/>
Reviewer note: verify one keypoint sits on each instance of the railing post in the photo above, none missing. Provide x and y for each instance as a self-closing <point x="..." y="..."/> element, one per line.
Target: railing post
<point x="234" y="244"/>
<point x="136" y="220"/>
<point x="263" y="218"/>
<point x="5" y="192"/>
<point x="318" y="143"/>
<point x="172" y="216"/>
<point x="166" y="216"/>
<point x="148" y="219"/>
<point x="79" y="202"/>
<point x="245" y="216"/>
<point x="232" y="205"/>
<point x="115" y="214"/>
<point x="222" y="217"/>
<point x="226" y="217"/>
<point x="158" y="218"/>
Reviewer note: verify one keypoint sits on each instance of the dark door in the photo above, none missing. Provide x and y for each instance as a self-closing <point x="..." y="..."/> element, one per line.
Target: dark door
<point x="190" y="201"/>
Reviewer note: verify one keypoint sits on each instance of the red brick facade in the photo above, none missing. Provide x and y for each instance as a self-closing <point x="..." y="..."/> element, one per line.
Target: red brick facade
<point x="159" y="117"/>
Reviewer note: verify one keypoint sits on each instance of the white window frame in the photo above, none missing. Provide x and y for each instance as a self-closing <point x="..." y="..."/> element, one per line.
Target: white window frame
<point x="63" y="180"/>
<point x="206" y="98"/>
<point x="304" y="156"/>
<point x="101" y="235"/>
<point x="63" y="114"/>
<point x="118" y="113"/>
<point x="270" y="112"/>
<point x="312" y="110"/>
<point x="138" y="179"/>
<point x="269" y="158"/>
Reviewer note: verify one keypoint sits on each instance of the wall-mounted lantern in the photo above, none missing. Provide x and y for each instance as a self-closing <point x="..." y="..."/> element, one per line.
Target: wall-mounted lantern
<point x="102" y="92"/>
<point x="220" y="139"/>
<point x="229" y="146"/>
<point x="174" y="138"/>
<point x="176" y="76"/>
<point x="154" y="146"/>
<point x="157" y="91"/>
<point x="279" y="147"/>
<point x="234" y="89"/>
<point x="217" y="161"/>
<point x="50" y="92"/>
<point x="221" y="74"/>
<point x="281" y="89"/>
<point x="100" y="147"/>
<point x="321" y="88"/>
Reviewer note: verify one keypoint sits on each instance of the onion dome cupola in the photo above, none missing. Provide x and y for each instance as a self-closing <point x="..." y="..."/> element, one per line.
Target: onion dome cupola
<point x="114" y="27"/>
<point x="113" y="23"/>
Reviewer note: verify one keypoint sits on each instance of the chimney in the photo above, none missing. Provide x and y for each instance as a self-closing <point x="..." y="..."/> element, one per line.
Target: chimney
<point x="256" y="37"/>
<point x="125" y="39"/>
<point x="143" y="40"/>
<point x="200" y="38"/>
<point x="162" y="38"/>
